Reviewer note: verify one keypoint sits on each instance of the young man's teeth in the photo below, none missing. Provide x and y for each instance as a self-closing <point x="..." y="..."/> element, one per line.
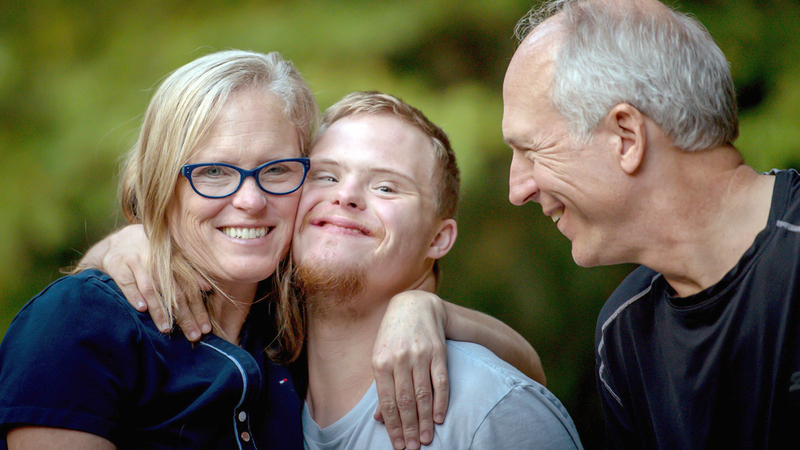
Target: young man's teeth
<point x="245" y="233"/>
<point x="557" y="215"/>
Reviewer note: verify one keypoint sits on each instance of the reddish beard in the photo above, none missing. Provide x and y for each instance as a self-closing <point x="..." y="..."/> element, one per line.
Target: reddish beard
<point x="327" y="287"/>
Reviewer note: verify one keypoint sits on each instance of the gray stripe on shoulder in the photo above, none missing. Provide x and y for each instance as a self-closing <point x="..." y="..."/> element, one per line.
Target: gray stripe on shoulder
<point x="788" y="226"/>
<point x="605" y="325"/>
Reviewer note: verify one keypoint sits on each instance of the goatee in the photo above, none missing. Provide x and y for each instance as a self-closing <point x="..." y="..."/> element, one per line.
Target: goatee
<point x="327" y="287"/>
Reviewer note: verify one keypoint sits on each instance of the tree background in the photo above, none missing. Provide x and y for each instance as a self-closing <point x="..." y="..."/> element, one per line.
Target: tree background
<point x="75" y="77"/>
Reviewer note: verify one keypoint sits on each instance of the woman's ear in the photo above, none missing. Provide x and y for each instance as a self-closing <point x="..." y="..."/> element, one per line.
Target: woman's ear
<point x="628" y="125"/>
<point x="444" y="239"/>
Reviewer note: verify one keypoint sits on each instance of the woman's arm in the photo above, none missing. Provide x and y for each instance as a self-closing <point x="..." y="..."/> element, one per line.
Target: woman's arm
<point x="43" y="438"/>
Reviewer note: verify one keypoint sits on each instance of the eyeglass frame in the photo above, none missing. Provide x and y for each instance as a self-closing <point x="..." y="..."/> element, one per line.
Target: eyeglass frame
<point x="187" y="169"/>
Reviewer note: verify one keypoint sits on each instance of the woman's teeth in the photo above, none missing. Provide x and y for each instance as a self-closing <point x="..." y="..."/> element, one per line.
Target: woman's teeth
<point x="245" y="233"/>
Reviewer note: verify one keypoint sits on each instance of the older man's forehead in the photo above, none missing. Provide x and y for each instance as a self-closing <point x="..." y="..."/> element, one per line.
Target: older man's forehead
<point x="528" y="77"/>
<point x="544" y="36"/>
<point x="533" y="61"/>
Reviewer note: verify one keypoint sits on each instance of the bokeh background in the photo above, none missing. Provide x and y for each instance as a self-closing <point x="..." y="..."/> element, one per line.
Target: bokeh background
<point x="75" y="77"/>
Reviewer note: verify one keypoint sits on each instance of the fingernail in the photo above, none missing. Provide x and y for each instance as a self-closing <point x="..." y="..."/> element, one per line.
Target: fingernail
<point x="165" y="327"/>
<point x="439" y="418"/>
<point x="425" y="437"/>
<point x="141" y="306"/>
<point x="194" y="335"/>
<point x="399" y="443"/>
<point x="413" y="444"/>
<point x="206" y="328"/>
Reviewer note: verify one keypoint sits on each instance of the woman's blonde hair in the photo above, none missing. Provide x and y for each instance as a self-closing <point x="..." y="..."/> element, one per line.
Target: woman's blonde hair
<point x="177" y="119"/>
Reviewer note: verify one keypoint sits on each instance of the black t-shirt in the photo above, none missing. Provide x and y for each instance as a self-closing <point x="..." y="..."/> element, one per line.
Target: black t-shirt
<point x="718" y="369"/>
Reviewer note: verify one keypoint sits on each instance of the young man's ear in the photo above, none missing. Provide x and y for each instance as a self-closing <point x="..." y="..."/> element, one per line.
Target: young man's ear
<point x="444" y="239"/>
<point x="627" y="125"/>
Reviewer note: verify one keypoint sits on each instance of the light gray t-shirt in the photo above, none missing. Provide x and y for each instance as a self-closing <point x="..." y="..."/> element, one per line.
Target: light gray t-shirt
<point x="492" y="406"/>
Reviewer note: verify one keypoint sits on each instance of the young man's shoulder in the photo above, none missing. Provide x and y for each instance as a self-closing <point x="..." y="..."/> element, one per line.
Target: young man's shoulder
<point x="468" y="362"/>
<point x="478" y="375"/>
<point x="500" y="406"/>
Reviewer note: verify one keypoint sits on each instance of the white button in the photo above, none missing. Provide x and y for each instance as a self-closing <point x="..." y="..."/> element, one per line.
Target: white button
<point x="246" y="436"/>
<point x="242" y="416"/>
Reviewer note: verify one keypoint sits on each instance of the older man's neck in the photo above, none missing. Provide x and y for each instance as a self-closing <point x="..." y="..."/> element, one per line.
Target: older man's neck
<point x="710" y="212"/>
<point x="339" y="351"/>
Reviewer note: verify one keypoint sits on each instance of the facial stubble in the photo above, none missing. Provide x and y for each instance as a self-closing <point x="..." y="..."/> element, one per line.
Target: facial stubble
<point x="329" y="288"/>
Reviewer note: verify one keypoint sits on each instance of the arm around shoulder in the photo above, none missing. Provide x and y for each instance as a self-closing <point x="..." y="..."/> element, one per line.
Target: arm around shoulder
<point x="464" y="324"/>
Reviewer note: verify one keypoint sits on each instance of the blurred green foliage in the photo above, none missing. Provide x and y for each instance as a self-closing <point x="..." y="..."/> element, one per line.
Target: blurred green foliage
<point x="75" y="76"/>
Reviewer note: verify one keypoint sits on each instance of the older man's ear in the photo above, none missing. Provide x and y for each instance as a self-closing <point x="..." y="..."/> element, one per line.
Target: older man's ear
<point x="629" y="129"/>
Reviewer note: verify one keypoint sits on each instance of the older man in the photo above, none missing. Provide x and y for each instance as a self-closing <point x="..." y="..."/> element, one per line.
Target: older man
<point x="378" y="211"/>
<point x="621" y="116"/>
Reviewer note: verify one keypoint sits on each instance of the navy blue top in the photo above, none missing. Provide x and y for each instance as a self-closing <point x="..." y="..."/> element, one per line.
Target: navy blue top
<point x="718" y="369"/>
<point x="78" y="356"/>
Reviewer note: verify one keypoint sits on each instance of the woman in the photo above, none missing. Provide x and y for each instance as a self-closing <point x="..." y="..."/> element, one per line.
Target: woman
<point x="81" y="368"/>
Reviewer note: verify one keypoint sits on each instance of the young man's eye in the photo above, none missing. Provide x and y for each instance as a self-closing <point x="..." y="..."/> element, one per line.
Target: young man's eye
<point x="322" y="177"/>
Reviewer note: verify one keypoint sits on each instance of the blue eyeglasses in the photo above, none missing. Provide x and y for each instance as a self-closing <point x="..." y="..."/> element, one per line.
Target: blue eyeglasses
<point x="219" y="180"/>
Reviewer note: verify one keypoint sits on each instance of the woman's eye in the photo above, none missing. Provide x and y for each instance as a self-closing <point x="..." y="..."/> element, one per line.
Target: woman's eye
<point x="212" y="171"/>
<point x="276" y="169"/>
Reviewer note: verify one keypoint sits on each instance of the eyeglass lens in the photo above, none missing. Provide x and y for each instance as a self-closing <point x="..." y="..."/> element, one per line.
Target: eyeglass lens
<point x="219" y="181"/>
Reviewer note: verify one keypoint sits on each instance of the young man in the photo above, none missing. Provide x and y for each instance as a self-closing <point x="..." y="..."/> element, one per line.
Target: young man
<point x="621" y="115"/>
<point x="378" y="212"/>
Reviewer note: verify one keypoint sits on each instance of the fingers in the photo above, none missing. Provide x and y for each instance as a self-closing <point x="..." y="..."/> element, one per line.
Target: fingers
<point x="184" y="317"/>
<point x="123" y="256"/>
<point x="410" y="350"/>
<point x="441" y="385"/>
<point x="199" y="310"/>
<point x="423" y="395"/>
<point x="387" y="404"/>
<point x="144" y="287"/>
<point x="133" y="279"/>
<point x="406" y="399"/>
<point x="200" y="314"/>
<point x="407" y="408"/>
<point x="125" y="278"/>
